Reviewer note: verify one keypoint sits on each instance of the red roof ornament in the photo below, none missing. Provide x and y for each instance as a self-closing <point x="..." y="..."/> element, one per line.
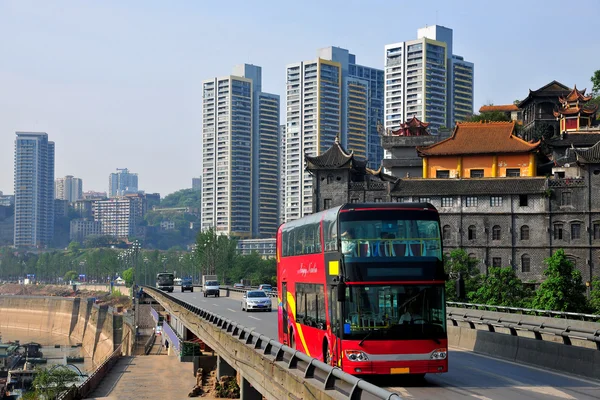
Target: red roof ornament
<point x="412" y="127"/>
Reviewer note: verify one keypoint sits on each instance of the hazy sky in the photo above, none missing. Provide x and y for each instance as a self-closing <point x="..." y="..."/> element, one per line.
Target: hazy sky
<point x="117" y="84"/>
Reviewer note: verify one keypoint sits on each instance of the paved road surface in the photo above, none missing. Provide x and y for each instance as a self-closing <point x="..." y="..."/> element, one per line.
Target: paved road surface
<point x="471" y="375"/>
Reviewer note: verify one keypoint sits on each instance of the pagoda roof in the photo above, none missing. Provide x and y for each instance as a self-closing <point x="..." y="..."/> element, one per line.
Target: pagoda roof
<point x="575" y="95"/>
<point x="480" y="138"/>
<point x="584" y="110"/>
<point x="335" y="157"/>
<point x="502" y="108"/>
<point x="551" y="89"/>
<point x="576" y="138"/>
<point x="412" y="127"/>
<point x="591" y="155"/>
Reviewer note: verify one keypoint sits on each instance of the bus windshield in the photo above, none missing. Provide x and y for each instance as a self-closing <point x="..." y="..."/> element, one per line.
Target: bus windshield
<point x="165" y="278"/>
<point x="389" y="235"/>
<point x="394" y="312"/>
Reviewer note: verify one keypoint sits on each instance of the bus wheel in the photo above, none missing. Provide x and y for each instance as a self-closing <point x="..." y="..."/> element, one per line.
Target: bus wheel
<point x="326" y="353"/>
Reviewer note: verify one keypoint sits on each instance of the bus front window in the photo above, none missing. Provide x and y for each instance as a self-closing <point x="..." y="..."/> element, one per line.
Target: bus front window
<point x="382" y="238"/>
<point x="394" y="312"/>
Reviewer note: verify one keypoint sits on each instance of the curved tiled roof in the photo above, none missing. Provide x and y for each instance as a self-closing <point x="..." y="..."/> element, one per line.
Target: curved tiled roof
<point x="575" y="95"/>
<point x="591" y="155"/>
<point x="480" y="138"/>
<point x="334" y="157"/>
<point x="587" y="110"/>
<point x="503" y="108"/>
<point x="472" y="186"/>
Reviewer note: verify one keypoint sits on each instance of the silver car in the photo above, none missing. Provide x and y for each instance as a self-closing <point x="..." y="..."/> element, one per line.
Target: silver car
<point x="256" y="300"/>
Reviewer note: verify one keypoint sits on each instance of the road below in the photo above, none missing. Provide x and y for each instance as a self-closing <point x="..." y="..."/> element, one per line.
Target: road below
<point x="470" y="375"/>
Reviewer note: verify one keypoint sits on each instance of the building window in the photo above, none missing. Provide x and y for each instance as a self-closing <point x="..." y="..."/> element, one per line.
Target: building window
<point x="596" y="230"/>
<point x="378" y="200"/>
<point x="496" y="201"/>
<point x="424" y="200"/>
<point x="558" y="231"/>
<point x="525" y="263"/>
<point x="329" y="179"/>
<point x="575" y="230"/>
<point x="472" y="232"/>
<point x="447" y="201"/>
<point x="446" y="230"/>
<point x="523" y="200"/>
<point x="513" y="172"/>
<point x="525" y="232"/>
<point x="496" y="232"/>
<point x="398" y="199"/>
<point x="471" y="201"/>
<point x="326" y="204"/>
<point x="442" y="174"/>
<point x="354" y="200"/>
<point x="497" y="262"/>
<point x="476" y="173"/>
<point x="565" y="199"/>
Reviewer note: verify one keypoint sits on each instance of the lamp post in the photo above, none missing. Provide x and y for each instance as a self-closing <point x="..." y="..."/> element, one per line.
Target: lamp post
<point x="135" y="251"/>
<point x="146" y="271"/>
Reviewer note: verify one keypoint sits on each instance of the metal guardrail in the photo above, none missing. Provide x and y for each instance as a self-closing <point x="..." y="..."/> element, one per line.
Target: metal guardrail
<point x="244" y="290"/>
<point x="567" y="333"/>
<point x="328" y="377"/>
<point x="80" y="392"/>
<point x="528" y="311"/>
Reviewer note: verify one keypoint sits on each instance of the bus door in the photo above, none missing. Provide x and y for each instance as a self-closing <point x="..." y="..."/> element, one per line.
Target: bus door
<point x="284" y="314"/>
<point x="334" y="318"/>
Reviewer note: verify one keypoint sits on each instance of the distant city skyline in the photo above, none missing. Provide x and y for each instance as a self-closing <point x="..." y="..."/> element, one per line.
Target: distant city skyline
<point x="132" y="94"/>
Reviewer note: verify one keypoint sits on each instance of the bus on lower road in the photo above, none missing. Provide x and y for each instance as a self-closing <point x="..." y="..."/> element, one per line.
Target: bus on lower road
<point x="164" y="281"/>
<point x="362" y="286"/>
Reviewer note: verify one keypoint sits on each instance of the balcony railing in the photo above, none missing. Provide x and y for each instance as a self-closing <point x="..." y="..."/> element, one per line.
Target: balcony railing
<point x="566" y="182"/>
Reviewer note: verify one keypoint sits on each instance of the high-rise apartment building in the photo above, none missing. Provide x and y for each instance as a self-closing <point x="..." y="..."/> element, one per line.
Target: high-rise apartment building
<point x="282" y="161"/>
<point x="197" y="184"/>
<point x="424" y="79"/>
<point x="34" y="189"/>
<point x="240" y="151"/>
<point x="68" y="188"/>
<point x="119" y="216"/>
<point x="329" y="97"/>
<point x="122" y="182"/>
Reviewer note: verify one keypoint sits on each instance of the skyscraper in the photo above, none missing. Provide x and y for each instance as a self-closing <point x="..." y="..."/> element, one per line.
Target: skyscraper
<point x="197" y="184"/>
<point x="240" y="151"/>
<point x="68" y="188"/>
<point x="34" y="189"/>
<point x="424" y="79"/>
<point x="329" y="97"/>
<point x="282" y="160"/>
<point x="122" y="182"/>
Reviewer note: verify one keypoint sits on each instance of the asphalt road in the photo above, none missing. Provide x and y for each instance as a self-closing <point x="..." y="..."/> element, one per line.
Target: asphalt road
<point x="470" y="375"/>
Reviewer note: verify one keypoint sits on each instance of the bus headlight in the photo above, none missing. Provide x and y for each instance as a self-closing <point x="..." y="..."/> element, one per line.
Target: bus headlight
<point x="356" y="355"/>
<point x="439" y="354"/>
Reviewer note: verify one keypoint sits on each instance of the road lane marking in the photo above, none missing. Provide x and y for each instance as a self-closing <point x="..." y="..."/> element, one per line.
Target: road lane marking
<point x="480" y="397"/>
<point x="204" y="301"/>
<point x="215" y="305"/>
<point x="250" y="316"/>
<point x="403" y="392"/>
<point x="231" y="310"/>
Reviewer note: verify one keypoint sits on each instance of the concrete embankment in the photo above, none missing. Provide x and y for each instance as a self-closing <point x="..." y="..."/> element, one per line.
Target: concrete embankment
<point x="99" y="329"/>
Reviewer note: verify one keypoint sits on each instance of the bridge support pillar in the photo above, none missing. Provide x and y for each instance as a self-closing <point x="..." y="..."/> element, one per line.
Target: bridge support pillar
<point x="224" y="369"/>
<point x="247" y="392"/>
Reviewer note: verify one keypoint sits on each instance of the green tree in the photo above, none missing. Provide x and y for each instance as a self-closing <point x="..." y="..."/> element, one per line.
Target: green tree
<point x="595" y="296"/>
<point x="215" y="253"/>
<point x="488" y="116"/>
<point x="502" y="287"/>
<point x="182" y="198"/>
<point x="460" y="262"/>
<point x="50" y="383"/>
<point x="70" y="275"/>
<point x="128" y="277"/>
<point x="596" y="83"/>
<point x="563" y="289"/>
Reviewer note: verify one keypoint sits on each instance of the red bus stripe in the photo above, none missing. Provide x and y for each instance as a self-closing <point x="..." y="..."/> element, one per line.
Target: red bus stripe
<point x="393" y="282"/>
<point x="387" y="209"/>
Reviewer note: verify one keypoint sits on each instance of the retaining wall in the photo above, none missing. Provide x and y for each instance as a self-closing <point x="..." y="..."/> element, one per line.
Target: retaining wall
<point x="98" y="329"/>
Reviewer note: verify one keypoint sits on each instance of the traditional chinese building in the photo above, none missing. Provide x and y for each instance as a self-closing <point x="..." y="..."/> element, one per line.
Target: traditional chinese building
<point x="400" y="146"/>
<point x="538" y="110"/>
<point x="574" y="114"/>
<point x="511" y="111"/>
<point x="502" y="221"/>
<point x="480" y="150"/>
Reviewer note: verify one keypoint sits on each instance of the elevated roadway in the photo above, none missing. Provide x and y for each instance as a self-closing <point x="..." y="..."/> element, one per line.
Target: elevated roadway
<point x="471" y="375"/>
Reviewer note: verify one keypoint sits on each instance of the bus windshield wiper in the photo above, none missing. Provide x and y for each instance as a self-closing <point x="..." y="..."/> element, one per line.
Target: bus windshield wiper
<point x="365" y="338"/>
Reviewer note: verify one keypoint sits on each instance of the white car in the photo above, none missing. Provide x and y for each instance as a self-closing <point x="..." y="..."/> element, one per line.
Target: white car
<point x="256" y="300"/>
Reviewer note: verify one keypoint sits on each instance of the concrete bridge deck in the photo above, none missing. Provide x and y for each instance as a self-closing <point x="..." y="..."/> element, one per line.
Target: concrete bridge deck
<point x="147" y="377"/>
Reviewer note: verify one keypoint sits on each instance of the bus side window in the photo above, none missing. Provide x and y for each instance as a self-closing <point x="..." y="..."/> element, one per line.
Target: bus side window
<point x="300" y="303"/>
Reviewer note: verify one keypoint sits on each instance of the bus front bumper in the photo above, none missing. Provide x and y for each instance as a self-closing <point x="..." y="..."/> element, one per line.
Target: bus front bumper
<point x="396" y="368"/>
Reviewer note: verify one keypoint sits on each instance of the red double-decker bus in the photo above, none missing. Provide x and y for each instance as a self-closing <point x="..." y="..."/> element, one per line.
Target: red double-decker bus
<point x="362" y="286"/>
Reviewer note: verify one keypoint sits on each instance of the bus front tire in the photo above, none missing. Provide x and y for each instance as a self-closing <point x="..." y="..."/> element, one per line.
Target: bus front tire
<point x="326" y="353"/>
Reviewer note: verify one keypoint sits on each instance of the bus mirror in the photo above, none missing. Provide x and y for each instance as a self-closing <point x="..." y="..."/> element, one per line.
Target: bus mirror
<point x="341" y="292"/>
